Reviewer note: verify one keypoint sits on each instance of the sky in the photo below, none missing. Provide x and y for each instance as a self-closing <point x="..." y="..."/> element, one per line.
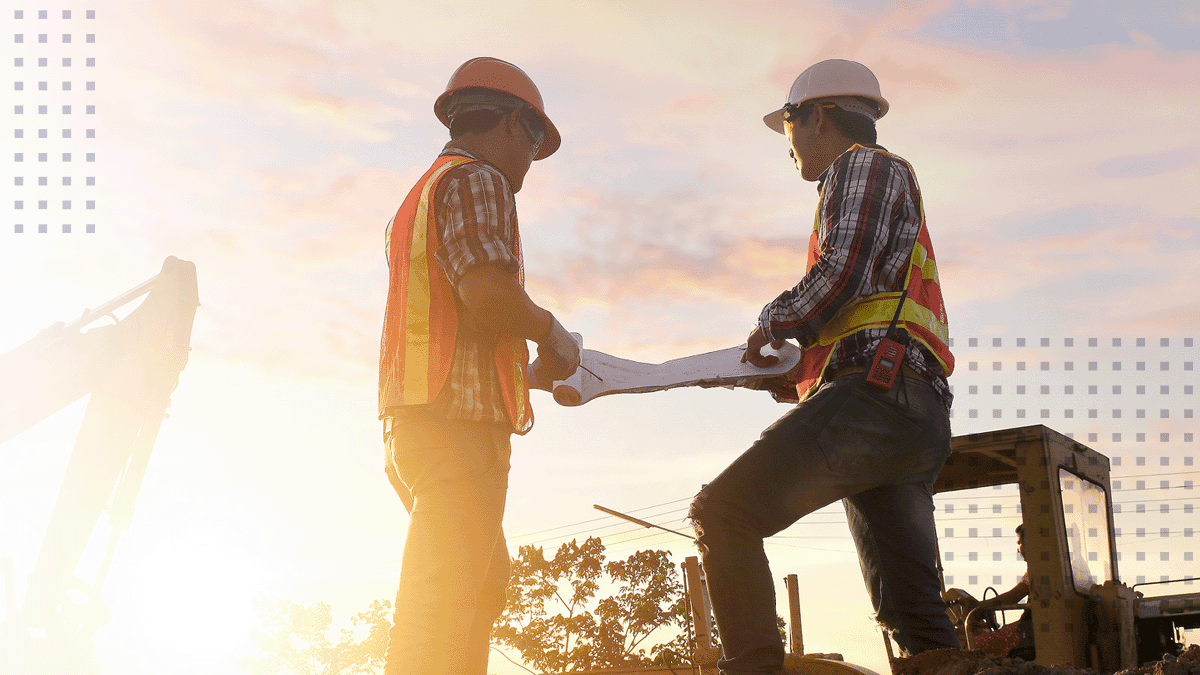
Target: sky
<point x="269" y="142"/>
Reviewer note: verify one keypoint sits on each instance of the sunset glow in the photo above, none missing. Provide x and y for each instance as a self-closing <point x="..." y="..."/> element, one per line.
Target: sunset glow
<point x="269" y="142"/>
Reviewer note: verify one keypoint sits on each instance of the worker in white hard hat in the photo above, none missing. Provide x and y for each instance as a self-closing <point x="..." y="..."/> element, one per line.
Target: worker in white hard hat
<point x="871" y="427"/>
<point x="453" y="375"/>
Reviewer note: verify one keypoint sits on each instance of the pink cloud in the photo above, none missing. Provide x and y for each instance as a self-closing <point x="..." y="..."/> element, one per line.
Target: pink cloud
<point x="1021" y="135"/>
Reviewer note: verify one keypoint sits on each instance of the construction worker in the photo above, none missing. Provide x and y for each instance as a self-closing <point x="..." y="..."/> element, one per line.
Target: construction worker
<point x="876" y="446"/>
<point x="1016" y="635"/>
<point x="453" y="381"/>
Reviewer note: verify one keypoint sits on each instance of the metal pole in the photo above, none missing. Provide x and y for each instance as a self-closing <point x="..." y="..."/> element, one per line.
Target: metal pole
<point x="795" y="632"/>
<point x="639" y="521"/>
<point x="706" y="651"/>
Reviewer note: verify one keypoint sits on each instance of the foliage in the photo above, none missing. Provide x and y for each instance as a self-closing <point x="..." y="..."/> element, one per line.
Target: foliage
<point x="587" y="633"/>
<point x="643" y="622"/>
<point x="294" y="640"/>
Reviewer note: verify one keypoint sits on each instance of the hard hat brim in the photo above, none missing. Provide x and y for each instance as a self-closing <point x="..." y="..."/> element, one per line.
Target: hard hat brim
<point x="774" y="121"/>
<point x="552" y="139"/>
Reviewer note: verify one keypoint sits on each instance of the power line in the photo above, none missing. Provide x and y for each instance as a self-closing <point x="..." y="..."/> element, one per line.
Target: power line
<point x="593" y="520"/>
<point x="594" y="529"/>
<point x="391" y="567"/>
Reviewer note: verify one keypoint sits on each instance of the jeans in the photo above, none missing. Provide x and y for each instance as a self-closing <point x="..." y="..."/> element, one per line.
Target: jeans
<point x="455" y="568"/>
<point x="880" y="453"/>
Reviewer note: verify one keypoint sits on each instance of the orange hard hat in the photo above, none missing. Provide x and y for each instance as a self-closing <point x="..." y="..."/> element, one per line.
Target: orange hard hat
<point x="502" y="76"/>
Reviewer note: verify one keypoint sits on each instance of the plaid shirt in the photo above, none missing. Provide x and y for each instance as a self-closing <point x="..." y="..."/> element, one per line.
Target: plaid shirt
<point x="869" y="220"/>
<point x="477" y="223"/>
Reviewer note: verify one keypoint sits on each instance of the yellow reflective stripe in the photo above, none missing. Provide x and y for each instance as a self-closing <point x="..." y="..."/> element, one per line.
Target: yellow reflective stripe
<point x="415" y="388"/>
<point x="853" y="318"/>
<point x="921" y="260"/>
<point x="518" y="364"/>
<point x="878" y="310"/>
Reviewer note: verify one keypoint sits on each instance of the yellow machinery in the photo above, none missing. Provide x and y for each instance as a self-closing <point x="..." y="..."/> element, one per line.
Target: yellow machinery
<point x="1082" y="614"/>
<point x="130" y="369"/>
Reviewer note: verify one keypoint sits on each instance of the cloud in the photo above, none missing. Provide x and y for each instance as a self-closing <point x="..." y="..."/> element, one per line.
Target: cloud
<point x="283" y="65"/>
<point x="280" y="137"/>
<point x="919" y="75"/>
<point x="1148" y="164"/>
<point x="1109" y="274"/>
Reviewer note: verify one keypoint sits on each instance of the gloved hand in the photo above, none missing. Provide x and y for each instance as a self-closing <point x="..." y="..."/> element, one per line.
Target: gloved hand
<point x="558" y="355"/>
<point x="754" y="345"/>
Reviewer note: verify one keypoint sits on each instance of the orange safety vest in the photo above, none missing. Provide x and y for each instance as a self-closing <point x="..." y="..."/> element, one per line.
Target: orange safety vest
<point x="421" y="321"/>
<point x="923" y="315"/>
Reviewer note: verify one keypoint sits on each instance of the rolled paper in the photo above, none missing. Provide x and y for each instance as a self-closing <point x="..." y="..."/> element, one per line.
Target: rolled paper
<point x="566" y="392"/>
<point x="601" y="374"/>
<point x="566" y="395"/>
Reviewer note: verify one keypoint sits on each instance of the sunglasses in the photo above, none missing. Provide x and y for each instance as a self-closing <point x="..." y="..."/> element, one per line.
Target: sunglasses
<point x="797" y="113"/>
<point x="534" y="127"/>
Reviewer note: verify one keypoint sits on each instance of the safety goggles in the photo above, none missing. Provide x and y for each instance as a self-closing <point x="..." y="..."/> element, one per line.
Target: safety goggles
<point x="800" y="113"/>
<point x="534" y="127"/>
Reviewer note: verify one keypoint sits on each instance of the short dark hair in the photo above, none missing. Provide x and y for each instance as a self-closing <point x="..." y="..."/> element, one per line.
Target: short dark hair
<point x="858" y="128"/>
<point x="1021" y="530"/>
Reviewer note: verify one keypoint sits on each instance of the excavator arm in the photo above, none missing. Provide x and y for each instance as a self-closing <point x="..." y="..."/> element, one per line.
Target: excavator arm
<point x="130" y="368"/>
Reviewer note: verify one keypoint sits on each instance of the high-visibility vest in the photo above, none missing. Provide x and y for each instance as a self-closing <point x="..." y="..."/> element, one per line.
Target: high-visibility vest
<point x="421" y="321"/>
<point x="923" y="314"/>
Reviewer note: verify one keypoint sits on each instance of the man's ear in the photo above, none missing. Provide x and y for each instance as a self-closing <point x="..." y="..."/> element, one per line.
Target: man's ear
<point x="823" y="121"/>
<point x="512" y="122"/>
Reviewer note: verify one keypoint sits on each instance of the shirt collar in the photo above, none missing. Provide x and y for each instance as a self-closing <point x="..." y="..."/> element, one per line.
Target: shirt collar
<point x="451" y="149"/>
<point x="829" y="169"/>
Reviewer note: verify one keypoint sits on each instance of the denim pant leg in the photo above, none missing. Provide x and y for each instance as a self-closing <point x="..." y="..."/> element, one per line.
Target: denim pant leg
<point x="490" y="605"/>
<point x="892" y="523"/>
<point x="848" y="438"/>
<point x="455" y="565"/>
<point x="779" y="479"/>
<point x="894" y="531"/>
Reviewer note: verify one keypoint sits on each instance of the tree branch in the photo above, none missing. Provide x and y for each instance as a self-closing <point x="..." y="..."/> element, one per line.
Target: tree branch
<point x="519" y="665"/>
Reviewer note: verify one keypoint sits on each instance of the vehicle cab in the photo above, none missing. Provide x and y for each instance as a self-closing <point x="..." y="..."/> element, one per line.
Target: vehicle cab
<point x="1082" y="614"/>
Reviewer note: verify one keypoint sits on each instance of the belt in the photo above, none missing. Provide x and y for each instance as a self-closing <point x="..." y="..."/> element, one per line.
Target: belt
<point x="854" y="370"/>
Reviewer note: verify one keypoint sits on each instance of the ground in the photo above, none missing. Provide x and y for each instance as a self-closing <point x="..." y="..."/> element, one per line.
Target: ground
<point x="959" y="662"/>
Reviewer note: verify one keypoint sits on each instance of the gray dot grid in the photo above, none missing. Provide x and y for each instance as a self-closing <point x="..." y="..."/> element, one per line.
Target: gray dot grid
<point x="1130" y="398"/>
<point x="39" y="72"/>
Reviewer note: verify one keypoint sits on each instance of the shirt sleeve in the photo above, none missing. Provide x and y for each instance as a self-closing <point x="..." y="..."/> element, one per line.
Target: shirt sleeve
<point x="476" y="220"/>
<point x="851" y="236"/>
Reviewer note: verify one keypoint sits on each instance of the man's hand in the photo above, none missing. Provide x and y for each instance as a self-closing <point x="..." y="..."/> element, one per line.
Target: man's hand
<point x="558" y="355"/>
<point x="754" y="345"/>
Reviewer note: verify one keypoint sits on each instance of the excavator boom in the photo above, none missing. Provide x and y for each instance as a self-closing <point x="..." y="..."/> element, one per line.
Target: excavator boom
<point x="130" y="369"/>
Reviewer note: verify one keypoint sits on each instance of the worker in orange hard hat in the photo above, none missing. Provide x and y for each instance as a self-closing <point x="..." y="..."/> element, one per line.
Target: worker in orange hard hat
<point x="872" y="424"/>
<point x="453" y="366"/>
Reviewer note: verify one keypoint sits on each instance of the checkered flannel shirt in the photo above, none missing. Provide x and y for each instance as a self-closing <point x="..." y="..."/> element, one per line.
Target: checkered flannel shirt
<point x="869" y="219"/>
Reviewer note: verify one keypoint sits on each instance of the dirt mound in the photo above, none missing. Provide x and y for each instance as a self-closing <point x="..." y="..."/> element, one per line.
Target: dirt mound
<point x="959" y="662"/>
<point x="1187" y="663"/>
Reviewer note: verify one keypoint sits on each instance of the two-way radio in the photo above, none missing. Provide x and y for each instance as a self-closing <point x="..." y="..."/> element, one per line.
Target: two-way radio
<point x="889" y="355"/>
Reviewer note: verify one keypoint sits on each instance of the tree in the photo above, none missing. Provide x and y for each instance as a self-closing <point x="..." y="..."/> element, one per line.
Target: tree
<point x="643" y="622"/>
<point x="294" y="641"/>
<point x="584" y="634"/>
<point x="650" y="598"/>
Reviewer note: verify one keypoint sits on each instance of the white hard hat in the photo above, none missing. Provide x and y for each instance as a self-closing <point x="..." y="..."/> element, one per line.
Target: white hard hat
<point x="838" y="79"/>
